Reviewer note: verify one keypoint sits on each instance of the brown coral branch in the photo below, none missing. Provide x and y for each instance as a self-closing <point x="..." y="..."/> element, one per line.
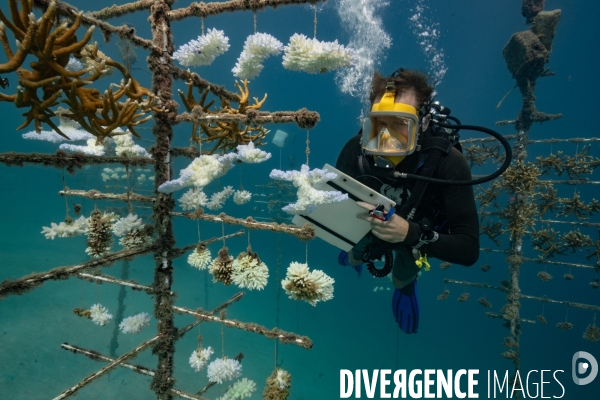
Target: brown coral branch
<point x="303" y="118"/>
<point x="501" y="316"/>
<point x="31" y="281"/>
<point x="96" y="195"/>
<point x="70" y="162"/>
<point x="123" y="31"/>
<point x="282" y="336"/>
<point x="117" y="11"/>
<point x="215" y="8"/>
<point x="305" y="233"/>
<point x="198" y="82"/>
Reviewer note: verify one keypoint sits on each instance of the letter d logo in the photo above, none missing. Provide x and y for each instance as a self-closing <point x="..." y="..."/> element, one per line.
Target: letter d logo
<point x="583" y="367"/>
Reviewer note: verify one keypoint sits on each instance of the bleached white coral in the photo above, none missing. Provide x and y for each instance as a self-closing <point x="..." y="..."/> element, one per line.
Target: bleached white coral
<point x="124" y="144"/>
<point x="224" y="369"/>
<point x="192" y="199"/>
<point x="248" y="153"/>
<point x="74" y="65"/>
<point x="63" y="230"/>
<point x="200" y="172"/>
<point x="308" y="196"/>
<point x="199" y="358"/>
<point x="314" y="56"/>
<point x="91" y="149"/>
<point x="127" y="224"/>
<point x="249" y="273"/>
<point x="257" y="48"/>
<point x="135" y="323"/>
<point x="100" y="315"/>
<point x="204" y="50"/>
<point x="200" y="259"/>
<point x="53" y="137"/>
<point x="239" y="390"/>
<point x="241" y="197"/>
<point x="311" y="286"/>
<point x="283" y="379"/>
<point x="217" y="199"/>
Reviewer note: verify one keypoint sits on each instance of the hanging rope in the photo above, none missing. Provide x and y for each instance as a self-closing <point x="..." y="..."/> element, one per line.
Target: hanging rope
<point x="202" y="19"/>
<point x="315" y="21"/>
<point x="254" y="21"/>
<point x="307" y="146"/>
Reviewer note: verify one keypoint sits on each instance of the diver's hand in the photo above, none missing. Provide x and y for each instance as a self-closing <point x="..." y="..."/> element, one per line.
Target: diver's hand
<point x="394" y="230"/>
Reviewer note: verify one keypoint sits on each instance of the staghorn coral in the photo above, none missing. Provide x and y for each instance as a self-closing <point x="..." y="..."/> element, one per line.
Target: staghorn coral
<point x="486" y="267"/>
<point x="576" y="207"/>
<point x="313" y="56"/>
<point x="222" y="267"/>
<point x="544" y="241"/>
<point x="278" y="384"/>
<point x="542" y="319"/>
<point x="521" y="178"/>
<point x="575" y="240"/>
<point x="54" y="46"/>
<point x="199" y="173"/>
<point x="257" y="48"/>
<point x="204" y="50"/>
<point x="310" y="286"/>
<point x="308" y="196"/>
<point x="135" y="323"/>
<point x="229" y="134"/>
<point x="217" y="199"/>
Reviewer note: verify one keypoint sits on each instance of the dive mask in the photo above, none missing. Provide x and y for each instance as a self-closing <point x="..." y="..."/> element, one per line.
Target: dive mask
<point x="390" y="129"/>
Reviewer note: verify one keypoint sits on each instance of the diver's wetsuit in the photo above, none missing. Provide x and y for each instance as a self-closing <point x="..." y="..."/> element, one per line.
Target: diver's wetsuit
<point x="452" y="206"/>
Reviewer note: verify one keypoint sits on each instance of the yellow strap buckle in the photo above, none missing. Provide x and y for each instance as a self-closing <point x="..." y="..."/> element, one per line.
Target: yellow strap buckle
<point x="423" y="261"/>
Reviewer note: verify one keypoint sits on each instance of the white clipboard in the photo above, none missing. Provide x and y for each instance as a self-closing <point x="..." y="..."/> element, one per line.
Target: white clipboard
<point x="337" y="223"/>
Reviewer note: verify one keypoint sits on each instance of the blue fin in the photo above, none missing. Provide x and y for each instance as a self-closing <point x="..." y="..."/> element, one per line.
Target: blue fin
<point x="358" y="269"/>
<point x="405" y="305"/>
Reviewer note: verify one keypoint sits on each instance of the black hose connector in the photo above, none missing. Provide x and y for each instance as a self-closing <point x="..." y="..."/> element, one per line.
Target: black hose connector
<point x="386" y="269"/>
<point x="503" y="167"/>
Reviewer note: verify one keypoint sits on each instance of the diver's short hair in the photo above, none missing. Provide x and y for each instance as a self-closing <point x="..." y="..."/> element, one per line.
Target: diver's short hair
<point x="404" y="80"/>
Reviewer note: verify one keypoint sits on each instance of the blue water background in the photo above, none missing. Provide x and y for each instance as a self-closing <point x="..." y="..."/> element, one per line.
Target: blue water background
<point x="355" y="330"/>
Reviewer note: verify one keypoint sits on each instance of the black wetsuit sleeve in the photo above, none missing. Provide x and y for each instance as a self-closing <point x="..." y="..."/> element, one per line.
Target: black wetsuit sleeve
<point x="461" y="244"/>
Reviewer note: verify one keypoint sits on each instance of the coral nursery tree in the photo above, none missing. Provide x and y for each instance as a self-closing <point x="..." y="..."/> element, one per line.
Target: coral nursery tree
<point x="49" y="35"/>
<point x="523" y="206"/>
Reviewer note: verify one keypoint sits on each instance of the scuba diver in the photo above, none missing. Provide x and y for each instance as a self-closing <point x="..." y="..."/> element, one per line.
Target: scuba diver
<point x="408" y="151"/>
